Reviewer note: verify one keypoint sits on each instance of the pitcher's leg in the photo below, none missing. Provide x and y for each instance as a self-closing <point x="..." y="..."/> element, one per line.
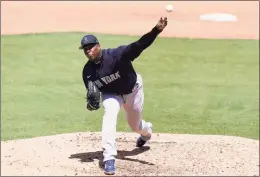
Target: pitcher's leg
<point x="111" y="106"/>
<point x="134" y="110"/>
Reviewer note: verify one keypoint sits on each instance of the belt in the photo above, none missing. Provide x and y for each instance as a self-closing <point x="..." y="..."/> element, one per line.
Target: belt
<point x="136" y="87"/>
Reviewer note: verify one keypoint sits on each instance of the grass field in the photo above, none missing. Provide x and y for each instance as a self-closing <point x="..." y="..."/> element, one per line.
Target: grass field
<point x="191" y="86"/>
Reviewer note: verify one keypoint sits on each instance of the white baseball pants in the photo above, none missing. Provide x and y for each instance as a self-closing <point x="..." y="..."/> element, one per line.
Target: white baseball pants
<point x="133" y="107"/>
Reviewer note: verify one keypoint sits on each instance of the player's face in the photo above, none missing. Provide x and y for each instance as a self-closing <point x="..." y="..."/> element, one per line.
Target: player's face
<point x="92" y="51"/>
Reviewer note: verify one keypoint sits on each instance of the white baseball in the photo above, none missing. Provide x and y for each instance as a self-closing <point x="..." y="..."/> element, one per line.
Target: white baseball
<point x="169" y="8"/>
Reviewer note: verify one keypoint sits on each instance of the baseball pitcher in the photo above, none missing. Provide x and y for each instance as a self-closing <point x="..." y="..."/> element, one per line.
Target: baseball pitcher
<point x="112" y="82"/>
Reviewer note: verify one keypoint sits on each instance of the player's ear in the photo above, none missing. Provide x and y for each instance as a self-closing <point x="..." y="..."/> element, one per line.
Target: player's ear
<point x="98" y="45"/>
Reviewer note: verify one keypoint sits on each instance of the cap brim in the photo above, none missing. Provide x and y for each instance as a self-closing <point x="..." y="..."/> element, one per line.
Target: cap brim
<point x="81" y="47"/>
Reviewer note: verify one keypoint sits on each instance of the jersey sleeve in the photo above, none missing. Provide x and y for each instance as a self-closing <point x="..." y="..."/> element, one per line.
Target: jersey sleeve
<point x="131" y="51"/>
<point x="85" y="74"/>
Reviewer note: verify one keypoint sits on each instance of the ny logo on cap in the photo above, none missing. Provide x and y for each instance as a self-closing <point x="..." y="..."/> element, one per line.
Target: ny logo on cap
<point x="85" y="39"/>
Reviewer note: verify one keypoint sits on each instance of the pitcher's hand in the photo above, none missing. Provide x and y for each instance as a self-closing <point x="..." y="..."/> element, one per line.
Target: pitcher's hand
<point x="162" y="23"/>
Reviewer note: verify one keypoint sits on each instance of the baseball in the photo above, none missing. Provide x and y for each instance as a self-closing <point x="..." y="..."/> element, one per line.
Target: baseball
<point x="169" y="8"/>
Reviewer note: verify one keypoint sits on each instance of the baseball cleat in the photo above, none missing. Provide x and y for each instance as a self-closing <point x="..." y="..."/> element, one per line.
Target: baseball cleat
<point x="140" y="142"/>
<point x="142" y="139"/>
<point x="109" y="167"/>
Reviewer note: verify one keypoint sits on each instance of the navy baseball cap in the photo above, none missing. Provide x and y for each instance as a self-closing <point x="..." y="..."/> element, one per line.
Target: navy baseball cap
<point x="88" y="40"/>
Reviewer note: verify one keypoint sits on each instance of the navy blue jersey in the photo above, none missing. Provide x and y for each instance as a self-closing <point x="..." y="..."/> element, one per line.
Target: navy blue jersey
<point x="115" y="73"/>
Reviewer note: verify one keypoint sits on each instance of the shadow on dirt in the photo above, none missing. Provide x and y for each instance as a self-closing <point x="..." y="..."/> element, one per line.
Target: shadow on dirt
<point x="122" y="155"/>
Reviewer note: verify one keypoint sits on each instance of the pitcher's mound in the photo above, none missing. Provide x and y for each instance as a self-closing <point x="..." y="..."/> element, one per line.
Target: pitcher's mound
<point x="166" y="154"/>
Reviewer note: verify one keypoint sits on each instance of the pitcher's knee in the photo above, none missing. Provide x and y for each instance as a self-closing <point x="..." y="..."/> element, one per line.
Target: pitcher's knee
<point x="110" y="114"/>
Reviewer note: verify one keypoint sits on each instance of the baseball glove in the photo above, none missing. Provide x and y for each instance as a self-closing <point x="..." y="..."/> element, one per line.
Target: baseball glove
<point x="93" y="96"/>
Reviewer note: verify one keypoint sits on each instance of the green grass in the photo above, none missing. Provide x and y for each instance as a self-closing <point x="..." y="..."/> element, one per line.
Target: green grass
<point x="191" y="86"/>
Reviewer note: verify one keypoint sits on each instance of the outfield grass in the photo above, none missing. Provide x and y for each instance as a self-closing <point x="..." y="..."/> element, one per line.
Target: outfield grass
<point x="191" y="86"/>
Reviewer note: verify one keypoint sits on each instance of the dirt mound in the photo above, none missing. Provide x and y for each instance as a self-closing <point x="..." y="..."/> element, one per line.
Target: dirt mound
<point x="166" y="154"/>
